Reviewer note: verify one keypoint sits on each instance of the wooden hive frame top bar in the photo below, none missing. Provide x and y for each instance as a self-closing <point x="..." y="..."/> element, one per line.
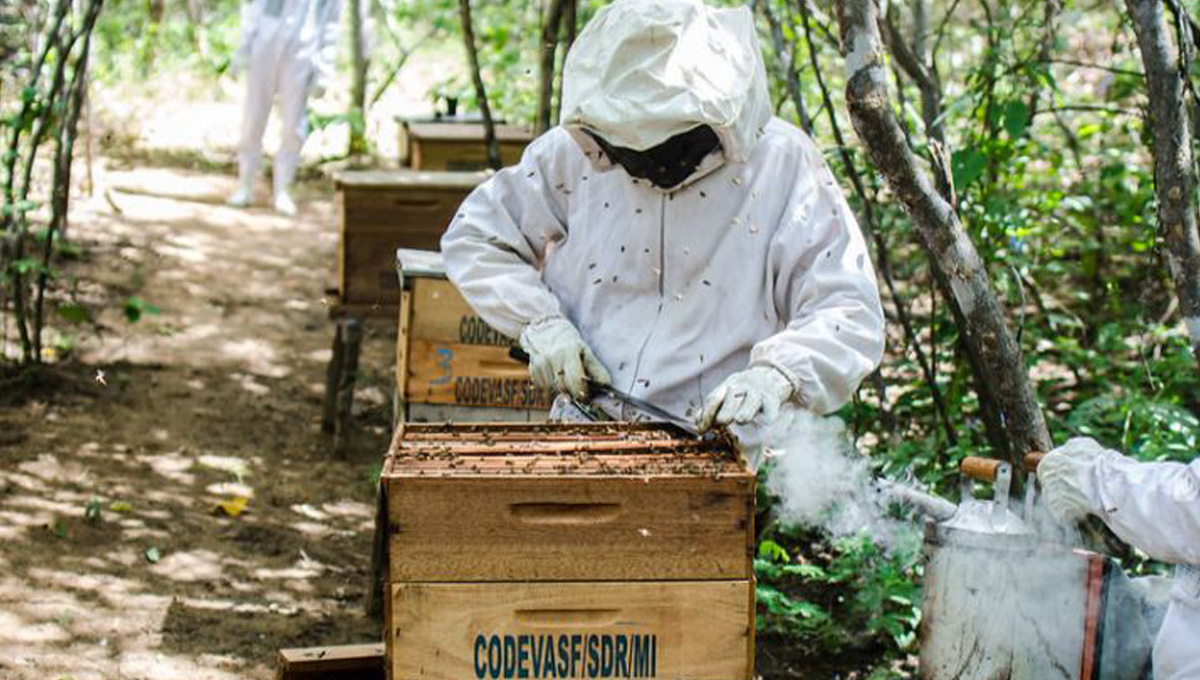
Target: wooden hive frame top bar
<point x="557" y="450"/>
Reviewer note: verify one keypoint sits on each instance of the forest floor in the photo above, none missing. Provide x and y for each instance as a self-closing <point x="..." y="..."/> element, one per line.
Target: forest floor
<point x="156" y="422"/>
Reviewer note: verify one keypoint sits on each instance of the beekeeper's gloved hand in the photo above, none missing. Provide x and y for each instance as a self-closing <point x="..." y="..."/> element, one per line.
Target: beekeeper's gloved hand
<point x="559" y="359"/>
<point x="1066" y="475"/>
<point x="743" y="395"/>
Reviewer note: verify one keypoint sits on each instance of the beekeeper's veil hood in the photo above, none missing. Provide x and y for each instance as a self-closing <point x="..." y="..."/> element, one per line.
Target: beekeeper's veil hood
<point x="645" y="71"/>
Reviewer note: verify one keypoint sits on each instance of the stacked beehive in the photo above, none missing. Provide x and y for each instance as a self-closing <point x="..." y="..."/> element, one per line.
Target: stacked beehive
<point x="382" y="210"/>
<point x="567" y="551"/>
<point x="450" y="364"/>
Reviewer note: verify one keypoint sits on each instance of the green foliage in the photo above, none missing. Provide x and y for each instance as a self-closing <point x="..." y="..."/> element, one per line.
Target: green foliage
<point x="847" y="592"/>
<point x="135" y="308"/>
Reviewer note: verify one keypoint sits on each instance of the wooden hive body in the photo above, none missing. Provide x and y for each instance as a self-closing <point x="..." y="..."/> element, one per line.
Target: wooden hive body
<point x="459" y="146"/>
<point x="604" y="550"/>
<point x="450" y="364"/>
<point x="380" y="211"/>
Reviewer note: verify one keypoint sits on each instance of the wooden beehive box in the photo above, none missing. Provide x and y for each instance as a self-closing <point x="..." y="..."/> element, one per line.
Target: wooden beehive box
<point x="458" y="146"/>
<point x="450" y="364"/>
<point x="567" y="551"/>
<point x="380" y="211"/>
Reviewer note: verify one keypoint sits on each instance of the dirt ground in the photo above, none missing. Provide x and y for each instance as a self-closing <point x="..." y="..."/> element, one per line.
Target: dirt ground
<point x="215" y="397"/>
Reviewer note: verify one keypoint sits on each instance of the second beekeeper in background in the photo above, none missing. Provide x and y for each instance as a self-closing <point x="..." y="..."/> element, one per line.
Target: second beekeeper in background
<point x="670" y="237"/>
<point x="288" y="48"/>
<point x="1155" y="507"/>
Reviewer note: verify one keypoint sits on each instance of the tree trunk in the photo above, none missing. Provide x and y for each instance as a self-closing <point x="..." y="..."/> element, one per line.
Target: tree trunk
<point x="489" y="126"/>
<point x="1016" y="423"/>
<point x="358" y="78"/>
<point x="1174" y="166"/>
<point x="547" y="52"/>
<point x="787" y="62"/>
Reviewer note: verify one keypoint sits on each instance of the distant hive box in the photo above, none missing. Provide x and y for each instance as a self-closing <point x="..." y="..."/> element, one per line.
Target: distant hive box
<point x="458" y="146"/>
<point x="380" y="211"/>
<point x="600" y="550"/>
<point x="450" y="364"/>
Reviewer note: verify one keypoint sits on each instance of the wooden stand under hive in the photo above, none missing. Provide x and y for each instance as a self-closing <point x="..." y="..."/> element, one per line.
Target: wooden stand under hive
<point x="600" y="550"/>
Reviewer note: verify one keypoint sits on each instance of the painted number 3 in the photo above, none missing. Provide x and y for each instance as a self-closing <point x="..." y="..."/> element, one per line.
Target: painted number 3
<point x="445" y="361"/>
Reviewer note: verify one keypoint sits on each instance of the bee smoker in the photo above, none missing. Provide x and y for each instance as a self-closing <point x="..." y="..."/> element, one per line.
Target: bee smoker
<point x="1002" y="601"/>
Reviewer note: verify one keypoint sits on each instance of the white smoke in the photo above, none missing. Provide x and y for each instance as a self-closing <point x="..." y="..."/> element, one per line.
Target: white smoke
<point x="821" y="480"/>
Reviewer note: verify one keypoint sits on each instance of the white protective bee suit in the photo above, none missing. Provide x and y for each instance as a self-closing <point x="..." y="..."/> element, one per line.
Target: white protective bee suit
<point x="288" y="48"/>
<point x="753" y="259"/>
<point x="1152" y="506"/>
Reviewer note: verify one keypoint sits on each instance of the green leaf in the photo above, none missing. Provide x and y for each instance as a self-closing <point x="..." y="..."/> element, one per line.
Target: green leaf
<point x="28" y="265"/>
<point x="73" y="313"/>
<point x="153" y="555"/>
<point x="91" y="513"/>
<point x="967" y="165"/>
<point x="1016" y="118"/>
<point x="136" y="308"/>
<point x="771" y="550"/>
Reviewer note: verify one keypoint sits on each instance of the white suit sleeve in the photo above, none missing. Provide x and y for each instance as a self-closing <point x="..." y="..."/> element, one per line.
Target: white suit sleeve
<point x="497" y="241"/>
<point x="1152" y="506"/>
<point x="825" y="288"/>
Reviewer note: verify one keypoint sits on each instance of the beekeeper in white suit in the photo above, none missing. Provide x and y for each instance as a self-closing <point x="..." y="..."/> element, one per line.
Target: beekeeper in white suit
<point x="288" y="48"/>
<point x="670" y="237"/>
<point x="1152" y="506"/>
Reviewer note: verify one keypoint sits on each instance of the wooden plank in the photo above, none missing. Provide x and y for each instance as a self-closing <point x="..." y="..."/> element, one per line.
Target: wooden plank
<point x="569" y="529"/>
<point x="460" y="155"/>
<point x="466" y="131"/>
<point x="670" y="631"/>
<point x="388" y="180"/>
<point x="341" y="662"/>
<point x="405" y="326"/>
<point x="441" y="314"/>
<point x="470" y="375"/>
<point x="441" y="413"/>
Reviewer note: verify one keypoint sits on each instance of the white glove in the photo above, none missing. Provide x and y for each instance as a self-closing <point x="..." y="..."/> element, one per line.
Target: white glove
<point x="1065" y="475"/>
<point x="743" y="395"/>
<point x="559" y="359"/>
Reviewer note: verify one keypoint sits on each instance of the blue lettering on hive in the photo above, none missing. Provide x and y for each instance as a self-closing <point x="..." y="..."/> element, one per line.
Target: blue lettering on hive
<point x="548" y="658"/>
<point x="535" y="647"/>
<point x="494" y="656"/>
<point x="480" y="669"/>
<point x="564" y="657"/>
<point x="510" y="656"/>
<point x="640" y="656"/>
<point x="522" y="656"/>
<point x="593" y="651"/>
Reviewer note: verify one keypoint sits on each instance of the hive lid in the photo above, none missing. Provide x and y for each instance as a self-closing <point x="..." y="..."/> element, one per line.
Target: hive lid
<point x="557" y="450"/>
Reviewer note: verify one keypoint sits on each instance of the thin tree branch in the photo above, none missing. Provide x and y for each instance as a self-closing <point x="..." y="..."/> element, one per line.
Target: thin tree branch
<point x="787" y="60"/>
<point x="489" y="125"/>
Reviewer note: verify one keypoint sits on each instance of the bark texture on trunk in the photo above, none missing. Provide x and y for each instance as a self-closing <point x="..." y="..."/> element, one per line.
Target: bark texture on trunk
<point x="1018" y="426"/>
<point x="547" y="54"/>
<point x="489" y="125"/>
<point x="1174" y="165"/>
<point x="358" y="82"/>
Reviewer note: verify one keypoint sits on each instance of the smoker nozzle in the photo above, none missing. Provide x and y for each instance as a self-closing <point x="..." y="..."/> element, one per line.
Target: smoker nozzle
<point x="927" y="504"/>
